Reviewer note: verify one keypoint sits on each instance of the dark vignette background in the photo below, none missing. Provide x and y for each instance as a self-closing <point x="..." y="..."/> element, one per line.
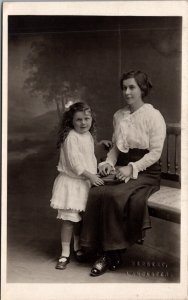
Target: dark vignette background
<point x="89" y="53"/>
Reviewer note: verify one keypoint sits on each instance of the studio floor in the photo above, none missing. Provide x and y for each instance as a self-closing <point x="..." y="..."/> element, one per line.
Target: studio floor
<point x="30" y="262"/>
<point x="34" y="246"/>
<point x="33" y="239"/>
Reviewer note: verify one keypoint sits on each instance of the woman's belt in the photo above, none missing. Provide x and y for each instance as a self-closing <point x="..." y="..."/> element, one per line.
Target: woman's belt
<point x="132" y="156"/>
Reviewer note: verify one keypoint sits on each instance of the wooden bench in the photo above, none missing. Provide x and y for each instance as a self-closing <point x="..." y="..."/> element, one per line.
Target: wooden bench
<point x="164" y="204"/>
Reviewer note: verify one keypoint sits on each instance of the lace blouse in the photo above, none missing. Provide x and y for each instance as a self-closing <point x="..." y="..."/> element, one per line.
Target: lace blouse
<point x="143" y="129"/>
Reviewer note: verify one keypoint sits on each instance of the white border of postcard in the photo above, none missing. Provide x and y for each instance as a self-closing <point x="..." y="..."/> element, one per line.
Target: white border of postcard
<point x="103" y="290"/>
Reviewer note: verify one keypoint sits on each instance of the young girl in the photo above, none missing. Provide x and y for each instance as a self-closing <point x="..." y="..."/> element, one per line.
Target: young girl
<point x="77" y="173"/>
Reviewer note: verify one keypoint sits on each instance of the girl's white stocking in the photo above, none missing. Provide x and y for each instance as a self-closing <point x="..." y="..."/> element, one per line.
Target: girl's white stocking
<point x="66" y="235"/>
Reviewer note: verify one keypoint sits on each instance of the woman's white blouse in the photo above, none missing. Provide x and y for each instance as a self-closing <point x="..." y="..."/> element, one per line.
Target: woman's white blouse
<point x="77" y="155"/>
<point x="143" y="129"/>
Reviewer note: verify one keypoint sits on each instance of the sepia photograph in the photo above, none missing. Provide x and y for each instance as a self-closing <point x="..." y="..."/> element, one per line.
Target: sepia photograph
<point x="94" y="151"/>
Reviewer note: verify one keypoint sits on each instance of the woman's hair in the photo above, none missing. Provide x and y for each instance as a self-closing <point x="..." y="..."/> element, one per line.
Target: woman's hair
<point x="141" y="79"/>
<point x="66" y="123"/>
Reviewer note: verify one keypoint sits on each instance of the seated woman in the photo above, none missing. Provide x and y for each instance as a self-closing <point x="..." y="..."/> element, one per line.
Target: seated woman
<point x="117" y="216"/>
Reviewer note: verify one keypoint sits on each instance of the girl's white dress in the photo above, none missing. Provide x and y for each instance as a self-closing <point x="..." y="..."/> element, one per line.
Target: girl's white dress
<point x="70" y="190"/>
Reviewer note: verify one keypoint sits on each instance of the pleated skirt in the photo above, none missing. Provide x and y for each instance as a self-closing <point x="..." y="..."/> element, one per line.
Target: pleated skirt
<point x="117" y="215"/>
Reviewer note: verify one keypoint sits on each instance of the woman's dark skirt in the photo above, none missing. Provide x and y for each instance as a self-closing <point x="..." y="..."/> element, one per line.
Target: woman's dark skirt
<point x="117" y="215"/>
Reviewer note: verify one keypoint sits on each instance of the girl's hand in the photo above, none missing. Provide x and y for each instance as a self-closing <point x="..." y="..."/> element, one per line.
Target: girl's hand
<point x="105" y="169"/>
<point x="96" y="180"/>
<point x="123" y="173"/>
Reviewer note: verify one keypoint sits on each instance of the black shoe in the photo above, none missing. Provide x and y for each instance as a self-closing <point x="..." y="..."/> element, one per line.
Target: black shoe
<point x="100" y="266"/>
<point x="62" y="262"/>
<point x="140" y="241"/>
<point x="115" y="261"/>
<point x="80" y="255"/>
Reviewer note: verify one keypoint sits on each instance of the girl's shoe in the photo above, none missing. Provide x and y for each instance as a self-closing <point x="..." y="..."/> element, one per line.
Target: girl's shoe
<point x="62" y="262"/>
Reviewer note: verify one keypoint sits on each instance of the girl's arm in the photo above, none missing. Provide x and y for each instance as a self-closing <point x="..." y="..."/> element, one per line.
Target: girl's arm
<point x="94" y="178"/>
<point x="75" y="160"/>
<point x="72" y="154"/>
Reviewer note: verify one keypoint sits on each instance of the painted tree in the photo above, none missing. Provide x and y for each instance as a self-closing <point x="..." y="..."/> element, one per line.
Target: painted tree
<point x="75" y="66"/>
<point x="49" y="75"/>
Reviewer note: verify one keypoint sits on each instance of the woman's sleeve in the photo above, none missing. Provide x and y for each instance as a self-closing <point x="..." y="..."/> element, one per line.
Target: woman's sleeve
<point x="114" y="126"/>
<point x="157" y="134"/>
<point x="112" y="155"/>
<point x="73" y="155"/>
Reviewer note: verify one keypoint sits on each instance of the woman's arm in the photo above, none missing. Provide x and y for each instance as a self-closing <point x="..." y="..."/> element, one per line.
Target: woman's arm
<point x="106" y="166"/>
<point x="157" y="134"/>
<point x="112" y="155"/>
<point x="105" y="143"/>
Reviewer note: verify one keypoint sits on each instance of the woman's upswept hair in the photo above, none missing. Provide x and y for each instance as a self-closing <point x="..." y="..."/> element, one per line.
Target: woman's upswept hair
<point x="66" y="123"/>
<point x="141" y="78"/>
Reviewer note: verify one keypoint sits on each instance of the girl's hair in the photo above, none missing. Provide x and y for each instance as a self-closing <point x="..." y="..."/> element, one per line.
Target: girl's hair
<point x="66" y="123"/>
<point x="141" y="79"/>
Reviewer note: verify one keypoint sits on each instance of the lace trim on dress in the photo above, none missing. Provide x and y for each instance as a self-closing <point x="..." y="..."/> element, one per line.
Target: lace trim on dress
<point x="79" y="209"/>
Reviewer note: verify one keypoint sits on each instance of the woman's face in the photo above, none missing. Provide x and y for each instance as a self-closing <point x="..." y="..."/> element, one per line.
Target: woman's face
<point x="131" y="91"/>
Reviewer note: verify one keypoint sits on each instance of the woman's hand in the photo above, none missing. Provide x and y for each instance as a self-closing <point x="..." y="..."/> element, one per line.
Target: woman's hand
<point x="105" y="169"/>
<point x="96" y="180"/>
<point x="123" y="173"/>
<point x="106" y="143"/>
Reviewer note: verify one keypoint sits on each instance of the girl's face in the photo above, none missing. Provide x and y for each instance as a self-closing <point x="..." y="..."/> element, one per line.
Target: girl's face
<point x="82" y="121"/>
<point x="131" y="91"/>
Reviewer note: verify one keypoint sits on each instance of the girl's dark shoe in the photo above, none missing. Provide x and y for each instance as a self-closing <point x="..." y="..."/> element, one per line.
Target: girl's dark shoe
<point x="80" y="255"/>
<point x="115" y="261"/>
<point x="100" y="266"/>
<point x="62" y="262"/>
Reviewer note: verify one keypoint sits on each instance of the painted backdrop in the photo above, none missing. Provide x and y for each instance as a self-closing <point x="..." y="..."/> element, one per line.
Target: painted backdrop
<point x="56" y="59"/>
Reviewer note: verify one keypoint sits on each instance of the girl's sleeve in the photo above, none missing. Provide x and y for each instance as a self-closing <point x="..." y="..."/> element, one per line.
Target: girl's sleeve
<point x="73" y="155"/>
<point x="157" y="134"/>
<point x="113" y="153"/>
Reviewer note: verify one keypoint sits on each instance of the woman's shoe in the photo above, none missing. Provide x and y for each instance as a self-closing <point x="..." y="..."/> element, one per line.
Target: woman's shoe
<point x="140" y="241"/>
<point x="62" y="262"/>
<point x="80" y="255"/>
<point x="100" y="266"/>
<point x="115" y="261"/>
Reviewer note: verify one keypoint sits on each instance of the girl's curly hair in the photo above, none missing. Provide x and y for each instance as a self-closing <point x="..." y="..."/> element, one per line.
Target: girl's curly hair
<point x="66" y="123"/>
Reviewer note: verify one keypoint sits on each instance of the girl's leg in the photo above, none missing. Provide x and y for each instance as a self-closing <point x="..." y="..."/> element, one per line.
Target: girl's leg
<point x="66" y="235"/>
<point x="77" y="232"/>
